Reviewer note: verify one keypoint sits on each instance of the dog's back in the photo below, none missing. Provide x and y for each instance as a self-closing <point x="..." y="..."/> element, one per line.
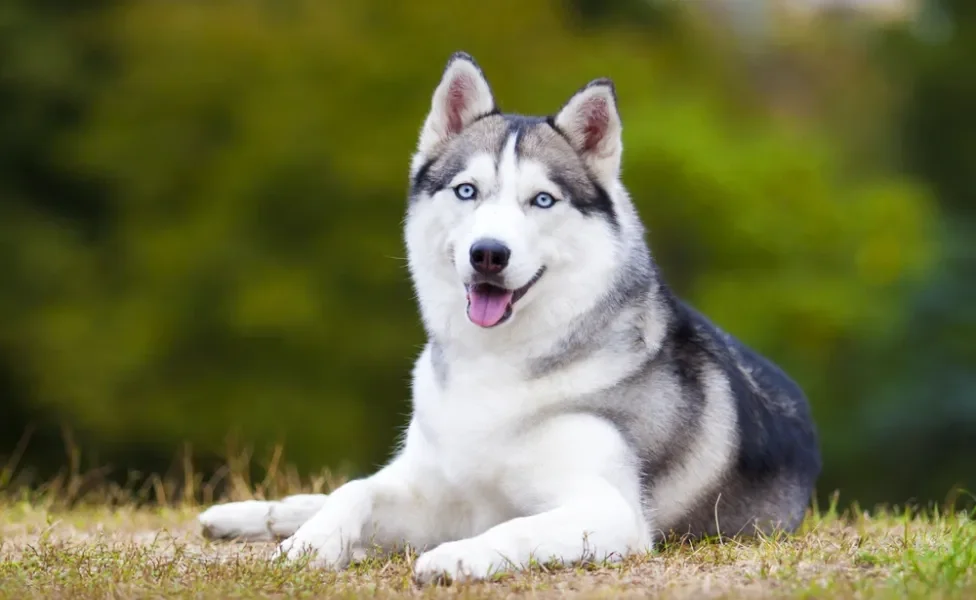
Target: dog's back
<point x="776" y="459"/>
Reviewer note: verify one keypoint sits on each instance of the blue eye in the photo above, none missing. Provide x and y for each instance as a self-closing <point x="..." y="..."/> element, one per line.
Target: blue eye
<point x="466" y="191"/>
<point x="543" y="200"/>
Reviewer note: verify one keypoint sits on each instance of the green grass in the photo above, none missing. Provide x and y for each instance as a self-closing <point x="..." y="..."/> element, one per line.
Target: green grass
<point x="94" y="552"/>
<point x="73" y="539"/>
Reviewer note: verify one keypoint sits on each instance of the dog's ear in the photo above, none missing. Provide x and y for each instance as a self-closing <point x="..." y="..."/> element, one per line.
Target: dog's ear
<point x="592" y="124"/>
<point x="462" y="96"/>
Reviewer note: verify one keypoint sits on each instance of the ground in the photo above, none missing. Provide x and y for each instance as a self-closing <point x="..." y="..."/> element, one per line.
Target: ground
<point x="98" y="551"/>
<point x="81" y="536"/>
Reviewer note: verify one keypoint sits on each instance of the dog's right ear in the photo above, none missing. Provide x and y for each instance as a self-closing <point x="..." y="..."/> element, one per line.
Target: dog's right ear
<point x="462" y="96"/>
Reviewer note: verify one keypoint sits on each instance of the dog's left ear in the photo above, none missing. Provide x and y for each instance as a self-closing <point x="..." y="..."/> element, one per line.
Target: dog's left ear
<point x="592" y="124"/>
<point x="462" y="96"/>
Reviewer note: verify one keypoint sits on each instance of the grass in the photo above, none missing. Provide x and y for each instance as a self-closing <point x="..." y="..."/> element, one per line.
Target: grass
<point x="74" y="539"/>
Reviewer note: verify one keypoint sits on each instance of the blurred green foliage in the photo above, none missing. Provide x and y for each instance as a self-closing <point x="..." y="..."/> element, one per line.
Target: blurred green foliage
<point x="202" y="202"/>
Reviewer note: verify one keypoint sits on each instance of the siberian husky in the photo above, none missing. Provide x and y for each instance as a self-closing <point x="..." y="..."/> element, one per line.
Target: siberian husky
<point x="567" y="406"/>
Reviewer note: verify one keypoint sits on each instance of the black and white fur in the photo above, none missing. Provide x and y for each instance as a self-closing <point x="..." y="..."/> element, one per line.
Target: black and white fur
<point x="598" y="414"/>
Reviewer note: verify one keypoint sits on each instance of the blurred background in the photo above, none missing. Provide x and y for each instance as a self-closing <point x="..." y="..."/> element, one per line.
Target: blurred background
<point x="201" y="204"/>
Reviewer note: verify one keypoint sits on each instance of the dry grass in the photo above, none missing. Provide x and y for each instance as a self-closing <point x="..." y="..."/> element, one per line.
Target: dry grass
<point x="109" y="542"/>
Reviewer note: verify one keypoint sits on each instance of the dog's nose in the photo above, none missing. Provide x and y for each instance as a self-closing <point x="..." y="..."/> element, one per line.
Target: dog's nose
<point x="489" y="257"/>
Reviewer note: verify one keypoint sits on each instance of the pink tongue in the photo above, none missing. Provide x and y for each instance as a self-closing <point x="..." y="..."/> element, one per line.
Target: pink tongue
<point x="487" y="306"/>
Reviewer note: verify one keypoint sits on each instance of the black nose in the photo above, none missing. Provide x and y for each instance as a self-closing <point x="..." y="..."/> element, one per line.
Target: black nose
<point x="489" y="257"/>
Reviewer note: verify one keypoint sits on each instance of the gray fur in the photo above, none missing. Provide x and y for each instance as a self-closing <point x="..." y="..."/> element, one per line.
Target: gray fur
<point x="439" y="362"/>
<point x="763" y="491"/>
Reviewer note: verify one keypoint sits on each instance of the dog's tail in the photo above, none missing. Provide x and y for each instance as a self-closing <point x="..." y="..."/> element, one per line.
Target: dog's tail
<point x="255" y="520"/>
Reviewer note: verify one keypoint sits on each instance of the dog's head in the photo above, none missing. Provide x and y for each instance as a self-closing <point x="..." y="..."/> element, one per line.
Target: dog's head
<point x="514" y="222"/>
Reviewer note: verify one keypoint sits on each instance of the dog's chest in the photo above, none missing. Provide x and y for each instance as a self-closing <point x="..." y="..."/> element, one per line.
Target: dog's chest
<point x="470" y="437"/>
<point x="482" y="415"/>
<point x="475" y="430"/>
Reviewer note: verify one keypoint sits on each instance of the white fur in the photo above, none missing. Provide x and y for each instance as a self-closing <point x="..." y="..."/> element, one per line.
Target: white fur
<point x="258" y="520"/>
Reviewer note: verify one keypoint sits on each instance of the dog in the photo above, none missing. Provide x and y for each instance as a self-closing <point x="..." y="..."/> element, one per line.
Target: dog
<point x="567" y="406"/>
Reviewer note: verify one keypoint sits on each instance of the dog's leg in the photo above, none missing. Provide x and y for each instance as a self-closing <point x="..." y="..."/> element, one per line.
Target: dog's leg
<point x="398" y="505"/>
<point x="595" y="524"/>
<point x="256" y="520"/>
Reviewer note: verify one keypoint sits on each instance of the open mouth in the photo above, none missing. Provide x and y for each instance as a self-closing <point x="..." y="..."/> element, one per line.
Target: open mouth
<point x="490" y="305"/>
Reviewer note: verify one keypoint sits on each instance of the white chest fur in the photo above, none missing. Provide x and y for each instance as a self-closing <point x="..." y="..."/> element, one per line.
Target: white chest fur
<point x="498" y="449"/>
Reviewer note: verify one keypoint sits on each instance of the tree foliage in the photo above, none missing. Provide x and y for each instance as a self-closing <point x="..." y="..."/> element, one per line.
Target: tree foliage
<point x="216" y="247"/>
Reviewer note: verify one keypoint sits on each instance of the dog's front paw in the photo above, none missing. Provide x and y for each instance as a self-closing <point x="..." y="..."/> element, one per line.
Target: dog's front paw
<point x="464" y="560"/>
<point x="248" y="520"/>
<point x="325" y="549"/>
